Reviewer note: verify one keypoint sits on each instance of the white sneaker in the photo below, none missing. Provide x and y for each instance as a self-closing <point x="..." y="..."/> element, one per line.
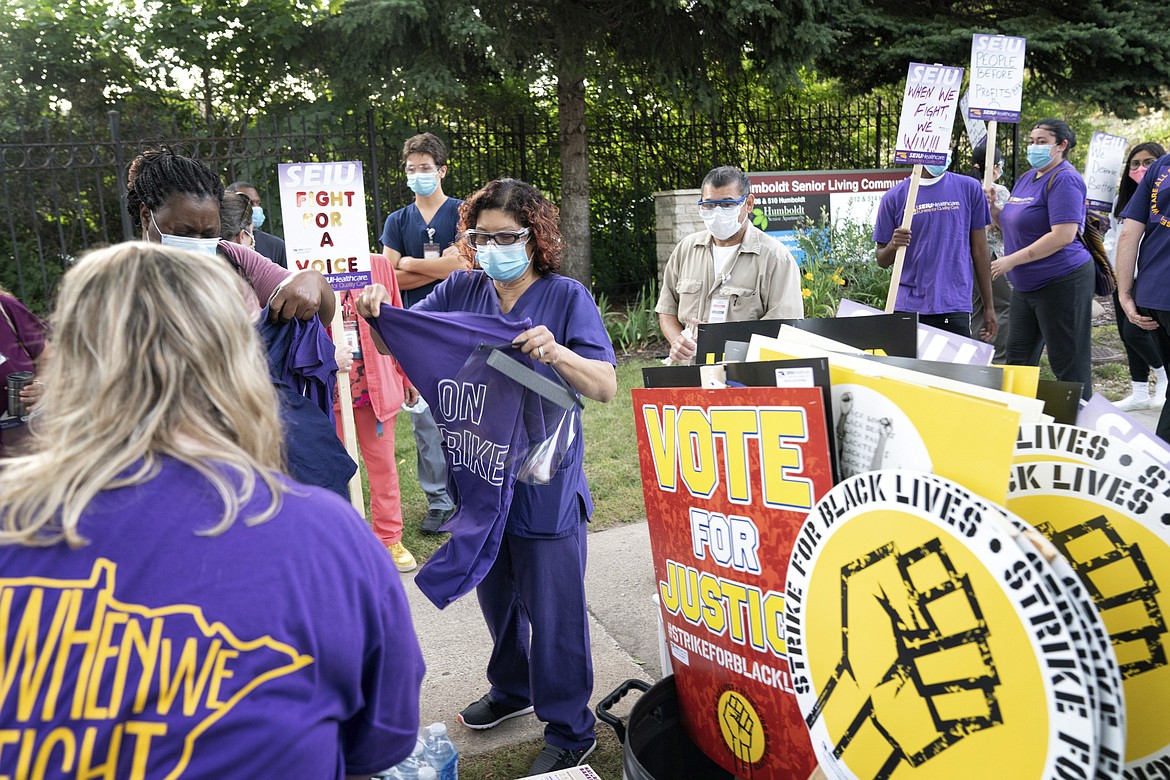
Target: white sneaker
<point x="1159" y="397"/>
<point x="1131" y="404"/>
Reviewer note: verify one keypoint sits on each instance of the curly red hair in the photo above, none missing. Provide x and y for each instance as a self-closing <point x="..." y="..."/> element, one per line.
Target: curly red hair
<point x="523" y="203"/>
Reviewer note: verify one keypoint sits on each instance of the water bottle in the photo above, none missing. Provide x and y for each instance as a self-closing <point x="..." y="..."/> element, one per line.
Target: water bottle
<point x="410" y="766"/>
<point x="441" y="753"/>
<point x="427" y="773"/>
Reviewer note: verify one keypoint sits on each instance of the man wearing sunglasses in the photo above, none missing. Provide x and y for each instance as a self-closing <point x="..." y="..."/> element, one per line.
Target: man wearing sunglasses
<point x="730" y="272"/>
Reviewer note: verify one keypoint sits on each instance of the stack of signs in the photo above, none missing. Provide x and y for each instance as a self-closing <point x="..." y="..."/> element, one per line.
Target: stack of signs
<point x="729" y="476"/>
<point x="928" y="637"/>
<point x="1106" y="507"/>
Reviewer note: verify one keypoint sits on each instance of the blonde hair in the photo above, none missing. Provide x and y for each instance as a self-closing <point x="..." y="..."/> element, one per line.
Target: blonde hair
<point x="154" y="356"/>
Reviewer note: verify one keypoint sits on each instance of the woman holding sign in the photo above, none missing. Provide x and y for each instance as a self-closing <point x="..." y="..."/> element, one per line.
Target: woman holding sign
<point x="1051" y="271"/>
<point x="533" y="594"/>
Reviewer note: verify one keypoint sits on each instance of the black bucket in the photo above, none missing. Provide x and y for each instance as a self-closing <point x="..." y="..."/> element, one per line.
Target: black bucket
<point x="655" y="747"/>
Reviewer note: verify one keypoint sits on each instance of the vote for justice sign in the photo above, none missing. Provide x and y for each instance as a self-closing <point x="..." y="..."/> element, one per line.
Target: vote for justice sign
<point x="729" y="476"/>
<point x="324" y="210"/>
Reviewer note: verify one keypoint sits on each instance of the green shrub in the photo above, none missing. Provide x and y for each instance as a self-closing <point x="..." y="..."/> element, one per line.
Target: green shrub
<point x="635" y="327"/>
<point x="840" y="262"/>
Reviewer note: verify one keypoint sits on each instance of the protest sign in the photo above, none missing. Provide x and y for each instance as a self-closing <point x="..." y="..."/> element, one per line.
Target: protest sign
<point x="921" y="640"/>
<point x="1103" y="170"/>
<point x="929" y="102"/>
<point x="933" y="343"/>
<point x="1098" y="414"/>
<point x="324" y="210"/>
<point x="997" y="77"/>
<point x="976" y="129"/>
<point x="728" y="477"/>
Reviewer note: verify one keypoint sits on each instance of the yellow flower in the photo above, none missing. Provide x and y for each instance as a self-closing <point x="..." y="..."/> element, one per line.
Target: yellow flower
<point x="808" y="275"/>
<point x="839" y="280"/>
<point x="804" y="291"/>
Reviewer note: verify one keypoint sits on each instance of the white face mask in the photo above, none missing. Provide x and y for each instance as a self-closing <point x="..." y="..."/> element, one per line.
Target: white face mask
<point x="723" y="222"/>
<point x="205" y="246"/>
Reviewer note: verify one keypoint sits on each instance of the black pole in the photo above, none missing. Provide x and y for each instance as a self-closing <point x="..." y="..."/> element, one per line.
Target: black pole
<point x="120" y="176"/>
<point x="374" y="171"/>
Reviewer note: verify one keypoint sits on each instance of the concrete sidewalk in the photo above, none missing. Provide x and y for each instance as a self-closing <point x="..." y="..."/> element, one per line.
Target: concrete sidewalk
<point x="623" y="627"/>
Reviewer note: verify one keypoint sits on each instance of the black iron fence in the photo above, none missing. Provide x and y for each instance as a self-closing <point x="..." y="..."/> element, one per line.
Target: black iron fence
<point x="63" y="182"/>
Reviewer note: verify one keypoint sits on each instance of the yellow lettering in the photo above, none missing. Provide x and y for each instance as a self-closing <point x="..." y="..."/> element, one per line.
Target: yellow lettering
<point x="712" y="600"/>
<point x="183" y="676"/>
<point x="104" y="650"/>
<point x="68" y="742"/>
<point x="777" y="427"/>
<point x="736" y="596"/>
<point x="668" y="590"/>
<point x="219" y="674"/>
<point x="774" y="623"/>
<point x="696" y="452"/>
<point x="663" y="449"/>
<point x="335" y="218"/>
<point x="143" y="732"/>
<point x="736" y="425"/>
<point x="87" y="638"/>
<point x="85" y="766"/>
<point x="147" y="652"/>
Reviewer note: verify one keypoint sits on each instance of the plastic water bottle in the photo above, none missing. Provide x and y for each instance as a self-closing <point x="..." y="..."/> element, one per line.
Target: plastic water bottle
<point x="410" y="766"/>
<point x="441" y="753"/>
<point x="427" y="773"/>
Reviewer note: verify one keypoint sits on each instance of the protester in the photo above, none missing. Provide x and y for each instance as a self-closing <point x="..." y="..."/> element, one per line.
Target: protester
<point x="533" y="596"/>
<point x="419" y="242"/>
<point x="946" y="251"/>
<point x="1146" y="298"/>
<point x="1001" y="288"/>
<point x="378" y="389"/>
<point x="730" y="272"/>
<point x="151" y="507"/>
<point x="1050" y="269"/>
<point x="265" y="243"/>
<point x="175" y="201"/>
<point x="235" y="219"/>
<point x="22" y="343"/>
<point x="1141" y="350"/>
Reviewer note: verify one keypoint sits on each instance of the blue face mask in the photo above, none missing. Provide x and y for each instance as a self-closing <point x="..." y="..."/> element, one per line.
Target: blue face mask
<point x="503" y="263"/>
<point x="205" y="246"/>
<point x="422" y="183"/>
<point x="257" y="217"/>
<point x="938" y="170"/>
<point x="1039" y="155"/>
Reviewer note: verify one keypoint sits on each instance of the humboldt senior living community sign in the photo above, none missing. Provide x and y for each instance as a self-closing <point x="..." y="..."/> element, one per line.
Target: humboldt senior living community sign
<point x="789" y="201"/>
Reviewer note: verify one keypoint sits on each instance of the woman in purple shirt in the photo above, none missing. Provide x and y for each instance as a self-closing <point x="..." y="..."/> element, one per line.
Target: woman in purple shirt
<point x="1050" y="268"/>
<point x="533" y="597"/>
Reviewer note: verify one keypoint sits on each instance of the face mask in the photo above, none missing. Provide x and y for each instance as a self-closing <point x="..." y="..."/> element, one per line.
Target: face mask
<point x="1039" y="155"/>
<point x="205" y="246"/>
<point x="1138" y="174"/>
<point x="422" y="183"/>
<point x="723" y="223"/>
<point x="257" y="217"/>
<point x="938" y="170"/>
<point x="503" y="263"/>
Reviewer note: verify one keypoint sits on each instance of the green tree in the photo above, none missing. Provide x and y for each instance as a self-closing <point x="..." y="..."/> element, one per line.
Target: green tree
<point x="438" y="49"/>
<point x="1108" y="52"/>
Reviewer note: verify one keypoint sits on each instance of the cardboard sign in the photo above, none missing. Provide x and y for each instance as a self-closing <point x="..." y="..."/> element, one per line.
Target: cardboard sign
<point x="789" y="201"/>
<point x="928" y="114"/>
<point x="997" y="77"/>
<point x="922" y="644"/>
<point x="933" y="343"/>
<point x="1103" y="170"/>
<point x="324" y="211"/>
<point x="1114" y="533"/>
<point x="976" y="128"/>
<point x="729" y="476"/>
<point x="1098" y="414"/>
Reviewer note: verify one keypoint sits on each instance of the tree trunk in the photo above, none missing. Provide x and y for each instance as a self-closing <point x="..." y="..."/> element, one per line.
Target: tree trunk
<point x="574" y="160"/>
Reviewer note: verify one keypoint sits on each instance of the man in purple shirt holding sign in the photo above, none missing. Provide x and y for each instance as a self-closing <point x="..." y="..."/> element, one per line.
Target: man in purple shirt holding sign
<point x="948" y="250"/>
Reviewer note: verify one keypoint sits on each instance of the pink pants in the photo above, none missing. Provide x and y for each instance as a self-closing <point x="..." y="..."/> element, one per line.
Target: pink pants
<point x="382" y="470"/>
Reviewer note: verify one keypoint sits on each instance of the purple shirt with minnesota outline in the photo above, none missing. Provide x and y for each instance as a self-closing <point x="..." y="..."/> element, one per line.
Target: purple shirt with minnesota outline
<point x="282" y="649"/>
<point x="1150" y="205"/>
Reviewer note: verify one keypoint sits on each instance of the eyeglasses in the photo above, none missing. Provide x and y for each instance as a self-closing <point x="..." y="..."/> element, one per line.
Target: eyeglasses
<point x="726" y="203"/>
<point x="1135" y="165"/>
<point x="502" y="238"/>
<point x="421" y="169"/>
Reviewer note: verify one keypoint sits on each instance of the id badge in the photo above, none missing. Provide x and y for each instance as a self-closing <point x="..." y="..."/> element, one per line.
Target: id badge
<point x="352" y="342"/>
<point x="430" y="251"/>
<point x="719" y="305"/>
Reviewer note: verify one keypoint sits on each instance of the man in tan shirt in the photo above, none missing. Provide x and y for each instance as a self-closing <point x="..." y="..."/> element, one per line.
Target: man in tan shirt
<point x="730" y="272"/>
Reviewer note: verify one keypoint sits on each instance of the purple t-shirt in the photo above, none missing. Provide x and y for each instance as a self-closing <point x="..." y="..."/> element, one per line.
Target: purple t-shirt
<point x="283" y="649"/>
<point x="1150" y="205"/>
<point x="1031" y="211"/>
<point x="566" y="308"/>
<point x="937" y="271"/>
<point x="20" y="347"/>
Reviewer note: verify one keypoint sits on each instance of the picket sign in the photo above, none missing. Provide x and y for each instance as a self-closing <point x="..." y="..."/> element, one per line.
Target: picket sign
<point x="357" y="494"/>
<point x="989" y="156"/>
<point x="900" y="255"/>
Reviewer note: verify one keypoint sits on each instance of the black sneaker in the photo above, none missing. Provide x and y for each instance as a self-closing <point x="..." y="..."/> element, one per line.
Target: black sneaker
<point x="434" y="519"/>
<point x="488" y="712"/>
<point x="553" y="759"/>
